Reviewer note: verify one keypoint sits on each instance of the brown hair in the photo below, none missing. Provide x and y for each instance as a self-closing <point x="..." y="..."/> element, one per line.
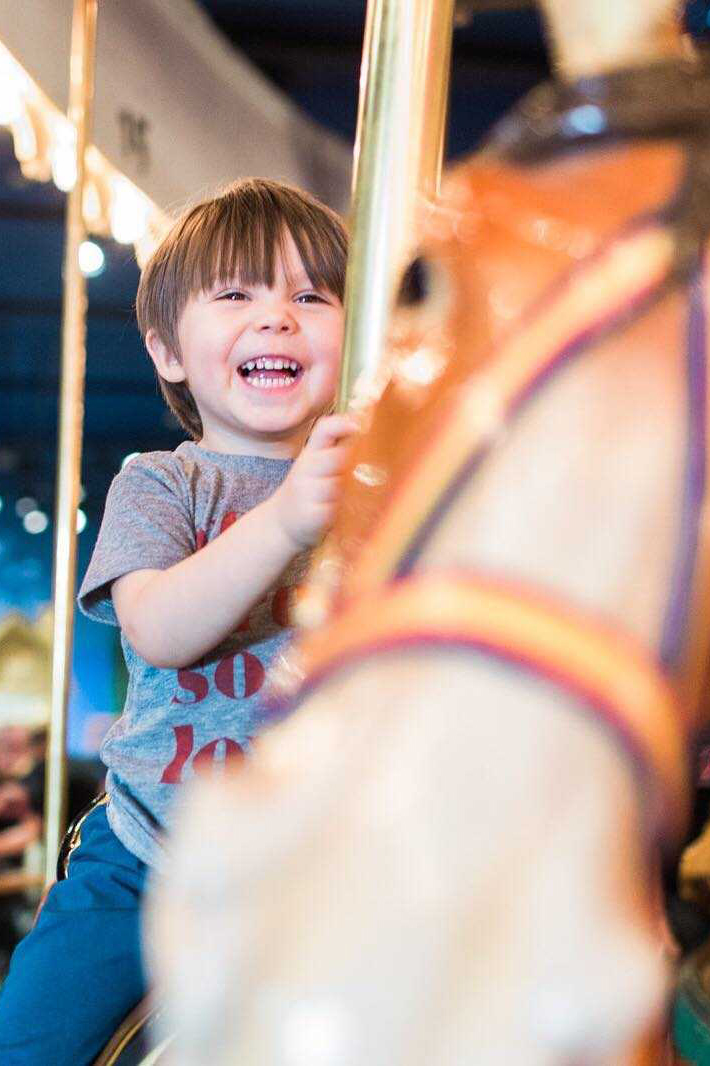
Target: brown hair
<point x="238" y="232"/>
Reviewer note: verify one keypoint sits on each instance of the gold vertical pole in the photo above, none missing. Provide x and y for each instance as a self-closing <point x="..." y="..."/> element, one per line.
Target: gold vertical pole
<point x="71" y="416"/>
<point x="398" y="153"/>
<point x="435" y="45"/>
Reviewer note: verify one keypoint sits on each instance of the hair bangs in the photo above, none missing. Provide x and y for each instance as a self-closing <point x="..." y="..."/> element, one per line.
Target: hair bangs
<point x="242" y="236"/>
<point x="234" y="243"/>
<point x="316" y="248"/>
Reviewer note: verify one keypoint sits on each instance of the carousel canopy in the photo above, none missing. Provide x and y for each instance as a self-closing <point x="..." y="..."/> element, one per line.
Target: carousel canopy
<point x="178" y="110"/>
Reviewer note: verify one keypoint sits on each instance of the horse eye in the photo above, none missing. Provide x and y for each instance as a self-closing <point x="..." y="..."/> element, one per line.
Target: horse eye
<point x="415" y="286"/>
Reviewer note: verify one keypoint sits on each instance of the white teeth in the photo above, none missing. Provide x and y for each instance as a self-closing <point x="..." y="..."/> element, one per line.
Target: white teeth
<point x="260" y="381"/>
<point x="271" y="364"/>
<point x="269" y="383"/>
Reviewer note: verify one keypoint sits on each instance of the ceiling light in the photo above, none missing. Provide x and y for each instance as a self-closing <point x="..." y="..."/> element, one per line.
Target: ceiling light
<point x="13" y="86"/>
<point x="63" y="156"/>
<point x="92" y="260"/>
<point x="35" y="521"/>
<point x="24" y="505"/>
<point x="129" y="212"/>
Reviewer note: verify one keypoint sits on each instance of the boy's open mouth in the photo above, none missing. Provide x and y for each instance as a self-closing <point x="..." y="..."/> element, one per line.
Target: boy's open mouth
<point x="270" y="372"/>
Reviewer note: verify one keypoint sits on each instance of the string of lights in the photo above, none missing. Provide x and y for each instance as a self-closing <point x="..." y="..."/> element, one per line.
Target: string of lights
<point x="44" y="142"/>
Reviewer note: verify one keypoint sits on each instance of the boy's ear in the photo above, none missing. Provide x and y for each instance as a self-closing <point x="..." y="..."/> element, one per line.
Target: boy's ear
<point x="166" y="361"/>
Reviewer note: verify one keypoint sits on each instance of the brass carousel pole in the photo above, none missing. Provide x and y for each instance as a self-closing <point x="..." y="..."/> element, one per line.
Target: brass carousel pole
<point x="71" y="414"/>
<point x="398" y="154"/>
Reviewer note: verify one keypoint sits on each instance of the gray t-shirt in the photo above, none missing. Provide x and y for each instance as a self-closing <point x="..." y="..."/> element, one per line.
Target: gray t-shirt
<point x="162" y="507"/>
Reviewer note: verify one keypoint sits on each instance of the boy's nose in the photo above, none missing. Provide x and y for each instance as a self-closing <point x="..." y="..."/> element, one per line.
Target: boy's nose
<point x="275" y="321"/>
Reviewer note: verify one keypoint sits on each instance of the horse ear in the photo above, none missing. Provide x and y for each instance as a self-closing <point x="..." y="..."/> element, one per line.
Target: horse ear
<point x="592" y="38"/>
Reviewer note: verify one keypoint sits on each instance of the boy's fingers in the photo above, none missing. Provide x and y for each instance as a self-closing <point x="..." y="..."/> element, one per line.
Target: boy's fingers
<point x="328" y="490"/>
<point x="323" y="490"/>
<point x="328" y="460"/>
<point x="330" y="429"/>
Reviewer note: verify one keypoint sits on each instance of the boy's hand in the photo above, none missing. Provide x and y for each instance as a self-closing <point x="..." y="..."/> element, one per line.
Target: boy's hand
<point x="305" y="503"/>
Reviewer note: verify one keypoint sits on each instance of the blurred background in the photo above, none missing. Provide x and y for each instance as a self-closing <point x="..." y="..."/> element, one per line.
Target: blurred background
<point x="310" y="50"/>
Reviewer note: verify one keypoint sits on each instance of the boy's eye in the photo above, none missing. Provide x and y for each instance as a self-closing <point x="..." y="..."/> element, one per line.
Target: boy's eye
<point x="311" y="297"/>
<point x="233" y="294"/>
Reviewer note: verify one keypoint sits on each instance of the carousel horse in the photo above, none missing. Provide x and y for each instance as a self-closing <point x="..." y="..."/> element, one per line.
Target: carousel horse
<point x="446" y="851"/>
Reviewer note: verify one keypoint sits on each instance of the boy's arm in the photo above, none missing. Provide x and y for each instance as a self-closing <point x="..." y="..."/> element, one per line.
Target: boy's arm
<point x="173" y="617"/>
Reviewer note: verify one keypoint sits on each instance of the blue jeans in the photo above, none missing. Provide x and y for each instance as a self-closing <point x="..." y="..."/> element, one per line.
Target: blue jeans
<point x="77" y="975"/>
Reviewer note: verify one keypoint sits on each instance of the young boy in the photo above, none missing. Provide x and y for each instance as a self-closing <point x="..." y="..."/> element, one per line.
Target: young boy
<point x="241" y="311"/>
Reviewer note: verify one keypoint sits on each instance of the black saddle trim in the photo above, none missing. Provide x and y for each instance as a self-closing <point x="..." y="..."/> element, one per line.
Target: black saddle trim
<point x="667" y="100"/>
<point x="72" y="837"/>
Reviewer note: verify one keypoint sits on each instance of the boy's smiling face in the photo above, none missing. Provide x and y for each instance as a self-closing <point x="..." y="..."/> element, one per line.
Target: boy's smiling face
<point x="260" y="361"/>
